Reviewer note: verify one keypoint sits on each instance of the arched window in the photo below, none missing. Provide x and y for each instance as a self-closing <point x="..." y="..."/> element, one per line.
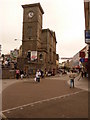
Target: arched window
<point x="41" y="57"/>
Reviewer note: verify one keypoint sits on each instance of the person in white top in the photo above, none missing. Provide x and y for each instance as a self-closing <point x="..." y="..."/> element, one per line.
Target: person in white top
<point x="38" y="74"/>
<point x="72" y="77"/>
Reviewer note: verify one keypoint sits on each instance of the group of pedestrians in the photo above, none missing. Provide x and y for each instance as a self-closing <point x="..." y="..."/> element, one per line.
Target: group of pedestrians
<point x="39" y="74"/>
<point x="21" y="74"/>
<point x="84" y="73"/>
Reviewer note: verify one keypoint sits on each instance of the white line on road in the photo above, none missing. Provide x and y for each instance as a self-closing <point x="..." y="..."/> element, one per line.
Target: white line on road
<point x="21" y="108"/>
<point x="2" y="116"/>
<point x="30" y="104"/>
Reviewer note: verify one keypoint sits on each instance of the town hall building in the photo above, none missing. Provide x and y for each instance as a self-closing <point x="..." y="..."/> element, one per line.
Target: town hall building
<point x="38" y="50"/>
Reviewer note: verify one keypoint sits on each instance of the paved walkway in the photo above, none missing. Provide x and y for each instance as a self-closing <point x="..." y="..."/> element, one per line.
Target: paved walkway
<point x="49" y="97"/>
<point x="82" y="83"/>
<point x="8" y="82"/>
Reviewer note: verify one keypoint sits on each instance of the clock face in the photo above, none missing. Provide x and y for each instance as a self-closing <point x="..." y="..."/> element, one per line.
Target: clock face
<point x="30" y="14"/>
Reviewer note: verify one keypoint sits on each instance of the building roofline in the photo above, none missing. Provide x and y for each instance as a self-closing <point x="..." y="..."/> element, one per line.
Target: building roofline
<point x="83" y="49"/>
<point x="50" y="31"/>
<point x="33" y="5"/>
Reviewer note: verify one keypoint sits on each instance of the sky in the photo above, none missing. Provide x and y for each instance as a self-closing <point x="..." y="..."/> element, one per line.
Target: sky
<point x="65" y="17"/>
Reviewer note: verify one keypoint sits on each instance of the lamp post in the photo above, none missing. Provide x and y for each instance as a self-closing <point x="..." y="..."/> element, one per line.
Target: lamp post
<point x="17" y="40"/>
<point x="18" y="43"/>
<point x="20" y="46"/>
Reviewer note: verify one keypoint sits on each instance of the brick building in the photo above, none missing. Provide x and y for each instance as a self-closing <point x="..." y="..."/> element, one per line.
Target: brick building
<point x="38" y="45"/>
<point x="87" y="14"/>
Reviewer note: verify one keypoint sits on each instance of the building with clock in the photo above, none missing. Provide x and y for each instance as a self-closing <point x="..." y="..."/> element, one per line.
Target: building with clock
<point x="38" y="45"/>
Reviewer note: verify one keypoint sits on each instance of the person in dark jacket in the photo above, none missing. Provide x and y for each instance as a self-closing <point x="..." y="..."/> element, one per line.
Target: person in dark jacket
<point x="21" y="74"/>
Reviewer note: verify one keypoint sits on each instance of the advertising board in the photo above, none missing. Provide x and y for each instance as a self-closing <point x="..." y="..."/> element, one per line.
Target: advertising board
<point x="87" y="36"/>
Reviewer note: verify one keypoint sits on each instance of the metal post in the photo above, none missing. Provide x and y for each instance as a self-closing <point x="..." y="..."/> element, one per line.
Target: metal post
<point x="88" y="62"/>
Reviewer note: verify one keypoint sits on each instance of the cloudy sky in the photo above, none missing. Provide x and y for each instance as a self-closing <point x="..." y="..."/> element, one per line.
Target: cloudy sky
<point x="65" y="17"/>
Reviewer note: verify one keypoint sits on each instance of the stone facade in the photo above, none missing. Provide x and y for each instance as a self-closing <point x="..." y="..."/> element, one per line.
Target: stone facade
<point x="34" y="38"/>
<point x="8" y="73"/>
<point x="32" y="28"/>
<point x="87" y="15"/>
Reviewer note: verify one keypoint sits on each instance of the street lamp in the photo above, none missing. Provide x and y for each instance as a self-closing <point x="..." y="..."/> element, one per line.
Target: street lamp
<point x="17" y="39"/>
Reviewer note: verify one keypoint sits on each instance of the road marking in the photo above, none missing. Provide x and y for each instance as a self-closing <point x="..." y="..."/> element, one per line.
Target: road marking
<point x="31" y="104"/>
<point x="8" y="112"/>
<point x="21" y="108"/>
<point x="2" y="116"/>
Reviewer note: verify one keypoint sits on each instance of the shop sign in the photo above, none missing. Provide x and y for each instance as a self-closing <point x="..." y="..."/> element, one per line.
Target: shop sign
<point x="33" y="55"/>
<point x="87" y="36"/>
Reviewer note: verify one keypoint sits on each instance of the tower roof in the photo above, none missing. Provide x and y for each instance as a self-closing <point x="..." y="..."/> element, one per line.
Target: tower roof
<point x="34" y="5"/>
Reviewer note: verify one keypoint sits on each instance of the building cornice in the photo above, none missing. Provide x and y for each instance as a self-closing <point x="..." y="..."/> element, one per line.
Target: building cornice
<point x="33" y="5"/>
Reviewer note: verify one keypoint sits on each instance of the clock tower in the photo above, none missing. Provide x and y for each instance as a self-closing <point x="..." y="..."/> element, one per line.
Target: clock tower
<point x="32" y="28"/>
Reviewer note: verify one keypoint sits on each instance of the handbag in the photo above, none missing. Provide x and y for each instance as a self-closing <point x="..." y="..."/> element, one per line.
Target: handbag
<point x="35" y="79"/>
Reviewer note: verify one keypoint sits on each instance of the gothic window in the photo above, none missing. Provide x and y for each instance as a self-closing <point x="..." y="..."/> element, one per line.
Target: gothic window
<point x="29" y="32"/>
<point x="41" y="57"/>
<point x="50" y="53"/>
<point x="29" y="55"/>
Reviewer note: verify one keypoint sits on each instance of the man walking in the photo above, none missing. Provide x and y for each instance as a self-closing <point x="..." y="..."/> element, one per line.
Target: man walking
<point x="72" y="77"/>
<point x="38" y="74"/>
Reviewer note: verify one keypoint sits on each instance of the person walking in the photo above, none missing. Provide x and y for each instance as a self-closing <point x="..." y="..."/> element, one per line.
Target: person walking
<point x="42" y="74"/>
<point x="82" y="73"/>
<point x="38" y="74"/>
<point x="17" y="73"/>
<point x="21" y="74"/>
<point x="72" y="77"/>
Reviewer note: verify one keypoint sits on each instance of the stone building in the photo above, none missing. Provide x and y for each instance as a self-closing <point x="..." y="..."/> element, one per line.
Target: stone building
<point x="38" y="45"/>
<point x="87" y="14"/>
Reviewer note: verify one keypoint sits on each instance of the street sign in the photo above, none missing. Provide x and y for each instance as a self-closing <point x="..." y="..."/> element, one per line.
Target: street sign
<point x="87" y="36"/>
<point x="33" y="55"/>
